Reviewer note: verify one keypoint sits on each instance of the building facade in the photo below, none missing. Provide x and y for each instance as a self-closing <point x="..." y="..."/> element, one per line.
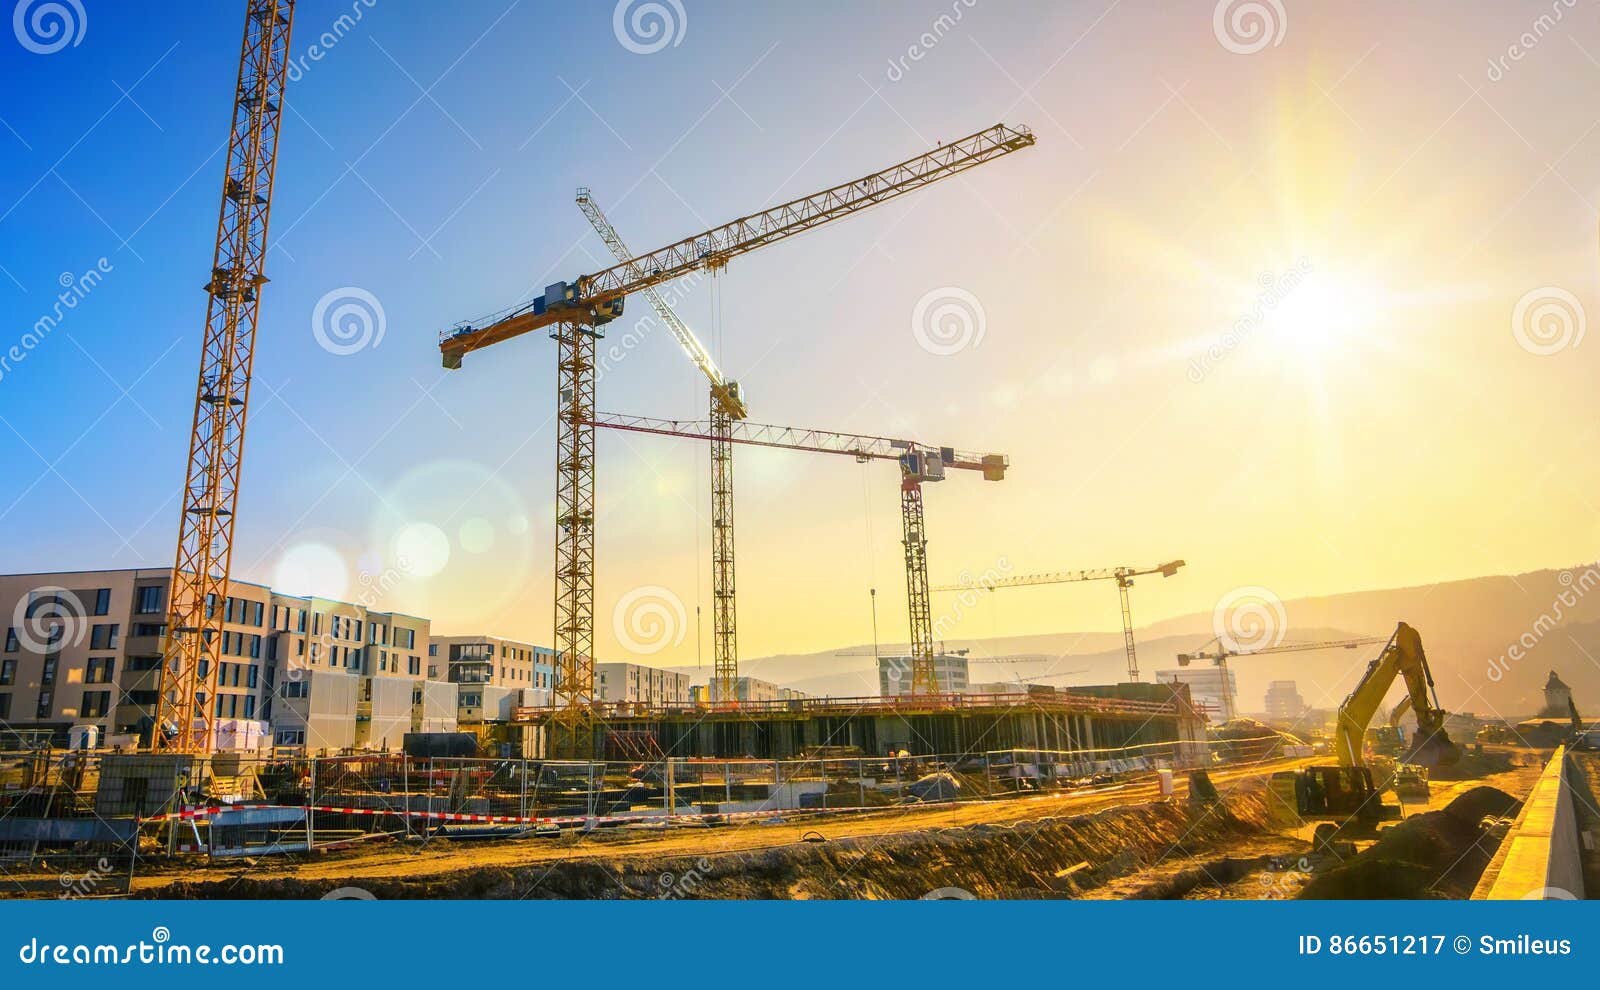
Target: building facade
<point x="949" y="669"/>
<point x="1211" y="687"/>
<point x="636" y="683"/>
<point x="1283" y="702"/>
<point x="83" y="649"/>
<point x="493" y="675"/>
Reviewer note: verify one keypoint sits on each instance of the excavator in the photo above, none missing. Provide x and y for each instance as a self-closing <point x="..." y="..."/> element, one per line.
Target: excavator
<point x="1343" y="797"/>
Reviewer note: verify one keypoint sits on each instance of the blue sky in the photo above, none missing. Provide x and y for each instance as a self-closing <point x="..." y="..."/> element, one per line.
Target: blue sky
<point x="430" y="157"/>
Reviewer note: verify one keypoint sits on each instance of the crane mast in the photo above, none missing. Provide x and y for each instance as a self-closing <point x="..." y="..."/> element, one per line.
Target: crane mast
<point x="577" y="311"/>
<point x="727" y="406"/>
<point x="192" y="645"/>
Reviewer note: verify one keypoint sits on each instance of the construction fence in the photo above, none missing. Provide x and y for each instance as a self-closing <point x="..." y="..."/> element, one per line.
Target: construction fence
<point x="81" y="821"/>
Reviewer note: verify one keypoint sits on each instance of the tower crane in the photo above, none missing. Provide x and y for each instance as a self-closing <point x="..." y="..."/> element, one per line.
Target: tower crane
<point x="1223" y="651"/>
<point x="727" y="408"/>
<point x="918" y="463"/>
<point x="192" y="643"/>
<point x="1122" y="575"/>
<point x="576" y="312"/>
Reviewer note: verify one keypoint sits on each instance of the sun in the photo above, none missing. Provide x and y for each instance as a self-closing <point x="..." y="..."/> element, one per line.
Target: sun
<point x="1324" y="314"/>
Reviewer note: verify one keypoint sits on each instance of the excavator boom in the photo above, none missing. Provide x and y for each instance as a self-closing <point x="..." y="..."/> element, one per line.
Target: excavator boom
<point x="1403" y="657"/>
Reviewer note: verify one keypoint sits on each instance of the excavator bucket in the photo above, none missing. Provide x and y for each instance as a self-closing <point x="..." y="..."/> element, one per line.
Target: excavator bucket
<point x="1435" y="749"/>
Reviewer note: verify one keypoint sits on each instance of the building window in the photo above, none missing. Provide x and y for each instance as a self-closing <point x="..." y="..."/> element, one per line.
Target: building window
<point x="11" y="639"/>
<point x="254" y="676"/>
<point x="104" y="637"/>
<point x="5" y="706"/>
<point x="144" y="663"/>
<point x="250" y="704"/>
<point x="100" y="670"/>
<point x="149" y="629"/>
<point x="44" y="708"/>
<point x="102" y="601"/>
<point x="8" y="672"/>
<point x="96" y="704"/>
<point x="294" y="689"/>
<point x="148" y="600"/>
<point x="433" y="649"/>
<point x="48" y="676"/>
<point x="291" y="737"/>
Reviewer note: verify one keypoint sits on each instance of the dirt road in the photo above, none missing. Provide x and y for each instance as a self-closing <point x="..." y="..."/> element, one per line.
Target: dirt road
<point x="441" y="862"/>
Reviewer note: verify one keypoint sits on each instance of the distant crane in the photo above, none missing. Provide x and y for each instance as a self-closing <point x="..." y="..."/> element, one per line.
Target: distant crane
<point x="1123" y="576"/>
<point x="918" y="463"/>
<point x="1220" y="656"/>
<point x="576" y="311"/>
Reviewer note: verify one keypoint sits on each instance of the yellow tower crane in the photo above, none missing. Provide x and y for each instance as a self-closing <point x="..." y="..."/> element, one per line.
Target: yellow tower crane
<point x="576" y="312"/>
<point x="191" y="652"/>
<point x="727" y="408"/>
<point x="1123" y="576"/>
<point x="918" y="463"/>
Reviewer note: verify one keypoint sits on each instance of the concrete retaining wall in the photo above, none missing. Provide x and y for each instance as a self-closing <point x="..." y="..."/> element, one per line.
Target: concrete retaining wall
<point x="1542" y="856"/>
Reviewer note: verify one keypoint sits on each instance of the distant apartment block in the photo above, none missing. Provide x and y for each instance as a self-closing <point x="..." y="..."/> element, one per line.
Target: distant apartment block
<point x="83" y="649"/>
<point x="636" y="683"/>
<point x="1283" y="702"/>
<point x="1213" y="687"/>
<point x="493" y="675"/>
<point x="894" y="674"/>
<point x="754" y="689"/>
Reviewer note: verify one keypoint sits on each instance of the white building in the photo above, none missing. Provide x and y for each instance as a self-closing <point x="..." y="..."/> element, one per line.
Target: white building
<point x="636" y="683"/>
<point x="894" y="674"/>
<point x="1213" y="687"/>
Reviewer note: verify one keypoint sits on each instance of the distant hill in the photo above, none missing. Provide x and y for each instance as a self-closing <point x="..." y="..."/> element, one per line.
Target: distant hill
<point x="1469" y="628"/>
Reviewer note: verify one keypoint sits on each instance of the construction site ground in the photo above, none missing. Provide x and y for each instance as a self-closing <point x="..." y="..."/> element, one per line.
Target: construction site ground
<point x="1118" y="841"/>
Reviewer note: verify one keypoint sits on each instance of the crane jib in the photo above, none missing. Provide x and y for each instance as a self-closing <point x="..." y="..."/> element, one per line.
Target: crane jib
<point x="589" y="299"/>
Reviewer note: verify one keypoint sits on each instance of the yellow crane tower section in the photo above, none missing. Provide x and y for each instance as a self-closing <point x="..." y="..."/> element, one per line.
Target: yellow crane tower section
<point x="185" y="716"/>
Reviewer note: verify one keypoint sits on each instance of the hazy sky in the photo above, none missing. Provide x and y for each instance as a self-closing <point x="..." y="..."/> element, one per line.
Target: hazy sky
<point x="1302" y="307"/>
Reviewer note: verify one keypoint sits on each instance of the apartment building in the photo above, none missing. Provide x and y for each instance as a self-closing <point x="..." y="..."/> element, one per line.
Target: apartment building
<point x="493" y="674"/>
<point x="632" y="682"/>
<point x="949" y="671"/>
<point x="342" y="658"/>
<point x="83" y="649"/>
<point x="748" y="689"/>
